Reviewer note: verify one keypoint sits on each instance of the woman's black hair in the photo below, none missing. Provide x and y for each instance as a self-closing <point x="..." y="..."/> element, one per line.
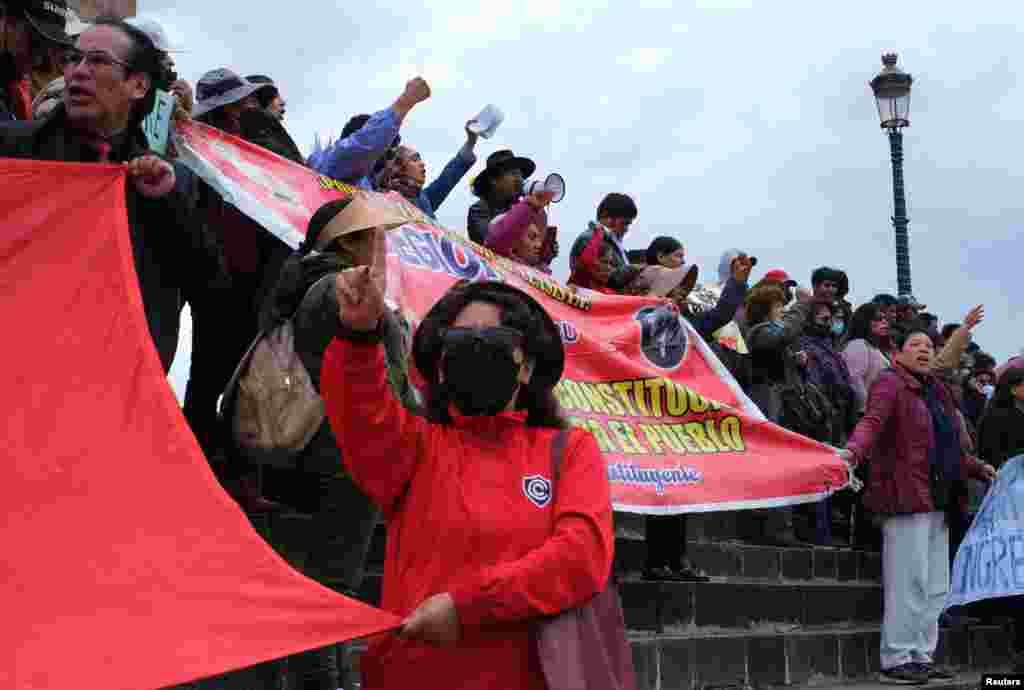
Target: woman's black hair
<point x="900" y="333"/>
<point x="834" y="275"/>
<point x="860" y="325"/>
<point x="319" y="220"/>
<point x="146" y="59"/>
<point x="537" y="397"/>
<point x="659" y="246"/>
<point x="1003" y="397"/>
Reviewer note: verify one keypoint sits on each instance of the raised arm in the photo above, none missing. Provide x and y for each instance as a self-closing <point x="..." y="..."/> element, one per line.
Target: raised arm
<point x="438" y="190"/>
<point x="382" y="440"/>
<point x="353" y="157"/>
<point x="771" y="336"/>
<point x="724" y="310"/>
<point x="507" y="230"/>
<point x="949" y="356"/>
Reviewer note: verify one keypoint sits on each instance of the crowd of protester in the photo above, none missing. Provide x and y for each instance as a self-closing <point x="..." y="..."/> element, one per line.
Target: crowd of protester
<point x="918" y="410"/>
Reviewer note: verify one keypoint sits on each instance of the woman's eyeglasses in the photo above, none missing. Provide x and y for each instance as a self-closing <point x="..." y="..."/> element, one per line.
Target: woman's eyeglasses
<point x="92" y="58"/>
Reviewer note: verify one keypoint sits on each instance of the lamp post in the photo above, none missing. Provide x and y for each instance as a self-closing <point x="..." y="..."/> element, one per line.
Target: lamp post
<point x="892" y="95"/>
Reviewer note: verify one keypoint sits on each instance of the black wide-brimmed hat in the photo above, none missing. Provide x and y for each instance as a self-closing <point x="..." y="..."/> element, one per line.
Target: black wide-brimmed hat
<point x="48" y="18"/>
<point x="543" y="342"/>
<point x="501" y="162"/>
<point x="264" y="81"/>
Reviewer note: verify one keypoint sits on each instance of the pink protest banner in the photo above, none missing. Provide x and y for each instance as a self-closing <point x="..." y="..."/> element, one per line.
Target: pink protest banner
<point x="678" y="433"/>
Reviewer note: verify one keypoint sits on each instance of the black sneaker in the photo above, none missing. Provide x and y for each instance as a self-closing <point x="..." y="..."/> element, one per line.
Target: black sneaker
<point x="904" y="674"/>
<point x="667" y="574"/>
<point x="660" y="574"/>
<point x="938" y="672"/>
<point x="688" y="572"/>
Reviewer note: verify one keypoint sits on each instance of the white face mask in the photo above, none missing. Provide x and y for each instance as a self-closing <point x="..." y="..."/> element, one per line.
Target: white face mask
<point x="988" y="390"/>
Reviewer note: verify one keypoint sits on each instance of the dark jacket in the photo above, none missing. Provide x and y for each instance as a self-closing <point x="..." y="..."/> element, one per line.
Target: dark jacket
<point x="225" y="312"/>
<point x="897" y="432"/>
<point x="480" y="216"/>
<point x="1001" y="435"/>
<point x="263" y="129"/>
<point x="827" y="370"/>
<point x="768" y="342"/>
<point x="315" y="324"/>
<point x="167" y="247"/>
<point x="973" y="405"/>
<point x="478" y="220"/>
<point x="707" y="322"/>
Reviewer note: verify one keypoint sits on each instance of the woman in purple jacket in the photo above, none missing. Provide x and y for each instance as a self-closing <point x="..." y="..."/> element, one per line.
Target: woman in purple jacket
<point x="911" y="434"/>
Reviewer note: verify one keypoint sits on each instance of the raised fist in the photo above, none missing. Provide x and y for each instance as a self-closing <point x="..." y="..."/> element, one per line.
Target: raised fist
<point x="417" y="90"/>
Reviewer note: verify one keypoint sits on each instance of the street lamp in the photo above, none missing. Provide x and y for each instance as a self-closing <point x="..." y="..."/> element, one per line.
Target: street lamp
<point x="892" y="95"/>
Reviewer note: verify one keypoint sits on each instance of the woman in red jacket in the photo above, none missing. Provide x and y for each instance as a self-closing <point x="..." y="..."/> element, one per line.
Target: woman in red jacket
<point x="911" y="434"/>
<point x="478" y="550"/>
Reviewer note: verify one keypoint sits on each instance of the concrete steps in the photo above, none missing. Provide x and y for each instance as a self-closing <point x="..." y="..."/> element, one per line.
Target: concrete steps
<point x="811" y="656"/>
<point x="769" y="617"/>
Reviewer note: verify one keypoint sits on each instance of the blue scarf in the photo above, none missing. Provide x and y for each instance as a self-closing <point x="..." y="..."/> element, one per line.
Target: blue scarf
<point x="944" y="454"/>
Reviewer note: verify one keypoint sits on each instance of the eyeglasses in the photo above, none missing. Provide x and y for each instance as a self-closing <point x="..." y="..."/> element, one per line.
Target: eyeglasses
<point x="494" y="335"/>
<point x="92" y="58"/>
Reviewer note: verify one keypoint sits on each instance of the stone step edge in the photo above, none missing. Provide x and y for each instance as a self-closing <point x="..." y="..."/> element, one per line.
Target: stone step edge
<point x="709" y="632"/>
<point x="969" y="680"/>
<point x="634" y="578"/>
<point x="736" y="542"/>
<point x="645" y="637"/>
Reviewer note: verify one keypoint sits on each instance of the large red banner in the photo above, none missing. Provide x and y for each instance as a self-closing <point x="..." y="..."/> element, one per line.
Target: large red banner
<point x="123" y="563"/>
<point x="678" y="433"/>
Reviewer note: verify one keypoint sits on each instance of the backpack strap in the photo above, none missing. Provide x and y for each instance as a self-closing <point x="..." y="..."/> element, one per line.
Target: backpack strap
<point x="557" y="454"/>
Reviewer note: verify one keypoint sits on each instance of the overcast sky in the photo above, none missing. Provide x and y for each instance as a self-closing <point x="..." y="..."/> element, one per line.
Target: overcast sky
<point x="731" y="122"/>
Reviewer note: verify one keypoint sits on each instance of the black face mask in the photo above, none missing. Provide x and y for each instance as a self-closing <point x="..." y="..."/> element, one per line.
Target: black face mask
<point x="481" y="375"/>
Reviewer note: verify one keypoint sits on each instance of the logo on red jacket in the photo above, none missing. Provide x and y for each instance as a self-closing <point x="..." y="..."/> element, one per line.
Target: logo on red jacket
<point x="537" y="489"/>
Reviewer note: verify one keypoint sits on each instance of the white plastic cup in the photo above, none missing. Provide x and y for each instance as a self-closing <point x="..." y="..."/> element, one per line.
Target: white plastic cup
<point x="487" y="121"/>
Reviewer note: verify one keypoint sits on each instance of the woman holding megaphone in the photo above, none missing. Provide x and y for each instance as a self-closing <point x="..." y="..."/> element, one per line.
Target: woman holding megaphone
<point x="522" y="232"/>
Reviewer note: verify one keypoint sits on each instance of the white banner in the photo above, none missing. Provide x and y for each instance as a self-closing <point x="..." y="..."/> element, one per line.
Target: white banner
<point x="990" y="561"/>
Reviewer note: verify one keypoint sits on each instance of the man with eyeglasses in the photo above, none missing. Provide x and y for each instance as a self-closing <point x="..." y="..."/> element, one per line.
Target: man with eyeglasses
<point x="31" y="32"/>
<point x="109" y="76"/>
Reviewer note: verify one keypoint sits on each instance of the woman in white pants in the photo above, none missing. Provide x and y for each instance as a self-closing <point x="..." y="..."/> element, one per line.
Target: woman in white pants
<point x="911" y="435"/>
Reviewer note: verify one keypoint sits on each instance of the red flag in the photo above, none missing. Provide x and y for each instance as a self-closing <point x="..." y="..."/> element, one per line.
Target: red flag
<point x="124" y="564"/>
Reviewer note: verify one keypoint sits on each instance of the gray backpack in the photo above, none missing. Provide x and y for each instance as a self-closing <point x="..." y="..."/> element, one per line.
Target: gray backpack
<point x="270" y="405"/>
